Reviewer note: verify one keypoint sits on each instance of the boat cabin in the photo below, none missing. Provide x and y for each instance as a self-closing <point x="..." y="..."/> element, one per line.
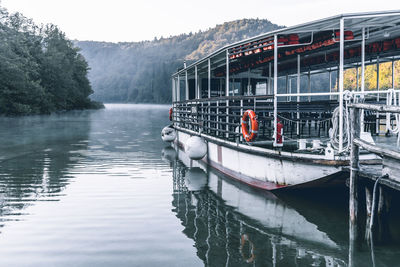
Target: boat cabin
<point x="297" y="81"/>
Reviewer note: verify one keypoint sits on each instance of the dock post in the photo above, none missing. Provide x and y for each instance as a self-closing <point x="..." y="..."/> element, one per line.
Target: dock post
<point x="354" y="165"/>
<point x="368" y="204"/>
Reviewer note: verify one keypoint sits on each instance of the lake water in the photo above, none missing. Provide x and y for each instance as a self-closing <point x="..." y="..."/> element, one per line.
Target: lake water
<point x="100" y="188"/>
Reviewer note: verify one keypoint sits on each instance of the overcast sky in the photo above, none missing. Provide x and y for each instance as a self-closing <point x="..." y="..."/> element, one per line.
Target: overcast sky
<point x="136" y="20"/>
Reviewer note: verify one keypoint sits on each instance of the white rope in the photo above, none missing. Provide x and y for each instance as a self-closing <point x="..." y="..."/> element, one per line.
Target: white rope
<point x="334" y="131"/>
<point x="393" y="99"/>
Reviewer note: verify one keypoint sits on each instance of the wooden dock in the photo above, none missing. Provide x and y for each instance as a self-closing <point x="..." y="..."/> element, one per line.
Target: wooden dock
<point x="384" y="176"/>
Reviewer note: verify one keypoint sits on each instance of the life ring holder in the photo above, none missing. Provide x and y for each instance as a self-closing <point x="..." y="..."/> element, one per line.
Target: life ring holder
<point x="243" y="240"/>
<point x="249" y="133"/>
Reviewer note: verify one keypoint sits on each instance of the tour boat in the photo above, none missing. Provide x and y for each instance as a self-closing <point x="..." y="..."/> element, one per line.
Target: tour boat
<point x="271" y="111"/>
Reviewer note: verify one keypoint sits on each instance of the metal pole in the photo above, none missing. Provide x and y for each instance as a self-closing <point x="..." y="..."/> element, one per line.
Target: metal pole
<point x="362" y="74"/>
<point x="309" y="84"/>
<point x="269" y="78"/>
<point x="393" y="73"/>
<point x="227" y="73"/>
<point x="227" y="118"/>
<point x="220" y="87"/>
<point x="298" y="96"/>
<point x="287" y="86"/>
<point x="178" y="97"/>
<point x="357" y="77"/>
<point x="275" y="87"/>
<point x="209" y="78"/>
<point x="248" y="82"/>
<point x="341" y="57"/>
<point x="196" y="83"/>
<point x="378" y="96"/>
<point x="173" y="90"/>
<point x="186" y="86"/>
<point x="330" y="83"/>
<point x="377" y="75"/>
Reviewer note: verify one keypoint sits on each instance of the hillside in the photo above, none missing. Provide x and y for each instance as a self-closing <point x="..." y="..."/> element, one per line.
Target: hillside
<point x="140" y="72"/>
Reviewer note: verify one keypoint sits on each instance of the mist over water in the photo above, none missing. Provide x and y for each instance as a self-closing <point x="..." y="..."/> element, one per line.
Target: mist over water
<point x="100" y="188"/>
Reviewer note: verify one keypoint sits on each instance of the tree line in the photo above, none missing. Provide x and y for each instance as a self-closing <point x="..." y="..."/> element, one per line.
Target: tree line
<point x="140" y="72"/>
<point x="41" y="71"/>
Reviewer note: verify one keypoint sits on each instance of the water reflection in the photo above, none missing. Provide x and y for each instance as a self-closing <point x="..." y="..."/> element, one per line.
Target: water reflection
<point x="37" y="154"/>
<point x="233" y="225"/>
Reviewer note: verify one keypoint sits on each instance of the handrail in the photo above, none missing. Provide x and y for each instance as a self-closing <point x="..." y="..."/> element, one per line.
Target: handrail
<point x="377" y="149"/>
<point x="256" y="97"/>
<point x="378" y="108"/>
<point x="221" y="98"/>
<point x="372" y="92"/>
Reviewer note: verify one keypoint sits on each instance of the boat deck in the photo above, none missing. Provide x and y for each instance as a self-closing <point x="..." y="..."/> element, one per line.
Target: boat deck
<point x="387" y="142"/>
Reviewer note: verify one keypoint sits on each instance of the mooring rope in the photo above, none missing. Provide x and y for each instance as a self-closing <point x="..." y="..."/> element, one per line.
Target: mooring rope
<point x="334" y="131"/>
<point x="393" y="99"/>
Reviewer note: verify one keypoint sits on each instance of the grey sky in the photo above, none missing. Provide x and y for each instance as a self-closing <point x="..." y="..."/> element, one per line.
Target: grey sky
<point x="125" y="20"/>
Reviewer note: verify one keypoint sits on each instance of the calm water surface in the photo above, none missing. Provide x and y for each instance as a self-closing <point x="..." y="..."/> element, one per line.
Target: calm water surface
<point x="99" y="188"/>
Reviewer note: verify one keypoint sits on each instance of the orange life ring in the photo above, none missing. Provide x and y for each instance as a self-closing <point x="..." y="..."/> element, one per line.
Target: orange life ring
<point x="170" y="114"/>
<point x="249" y="116"/>
<point x="250" y="258"/>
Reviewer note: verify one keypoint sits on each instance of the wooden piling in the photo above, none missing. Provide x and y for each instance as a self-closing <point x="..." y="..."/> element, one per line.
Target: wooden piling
<point x="368" y="204"/>
<point x="354" y="165"/>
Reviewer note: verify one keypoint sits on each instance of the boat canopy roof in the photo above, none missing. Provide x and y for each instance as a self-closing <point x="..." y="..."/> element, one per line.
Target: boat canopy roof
<point x="378" y="26"/>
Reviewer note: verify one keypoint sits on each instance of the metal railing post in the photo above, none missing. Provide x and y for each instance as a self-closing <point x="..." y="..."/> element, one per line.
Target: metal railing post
<point x="362" y="74"/>
<point x="275" y="87"/>
<point x="178" y="97"/>
<point x="341" y="63"/>
<point x="298" y="96"/>
<point x="209" y="78"/>
<point x="196" y="83"/>
<point x="186" y="86"/>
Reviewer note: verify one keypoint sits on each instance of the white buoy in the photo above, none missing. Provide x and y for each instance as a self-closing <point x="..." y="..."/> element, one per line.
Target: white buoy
<point x="168" y="134"/>
<point x="168" y="154"/>
<point x="196" y="147"/>
<point x="195" y="179"/>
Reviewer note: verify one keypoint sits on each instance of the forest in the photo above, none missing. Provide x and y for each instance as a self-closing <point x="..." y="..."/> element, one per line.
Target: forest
<point x="41" y="71"/>
<point x="140" y="72"/>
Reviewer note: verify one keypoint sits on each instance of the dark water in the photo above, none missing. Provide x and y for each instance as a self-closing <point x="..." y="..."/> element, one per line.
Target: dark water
<point x="99" y="188"/>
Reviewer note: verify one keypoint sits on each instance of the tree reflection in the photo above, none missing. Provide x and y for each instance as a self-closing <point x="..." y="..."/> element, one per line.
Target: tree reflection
<point x="36" y="156"/>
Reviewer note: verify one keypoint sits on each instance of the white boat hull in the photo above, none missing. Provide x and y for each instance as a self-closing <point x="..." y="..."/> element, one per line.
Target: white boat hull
<point x="261" y="171"/>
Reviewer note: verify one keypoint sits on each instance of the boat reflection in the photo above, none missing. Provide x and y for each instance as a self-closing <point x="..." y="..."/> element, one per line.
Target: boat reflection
<point x="234" y="225"/>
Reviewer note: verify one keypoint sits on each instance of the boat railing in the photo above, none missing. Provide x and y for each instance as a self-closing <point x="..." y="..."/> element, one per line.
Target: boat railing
<point x="221" y="116"/>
